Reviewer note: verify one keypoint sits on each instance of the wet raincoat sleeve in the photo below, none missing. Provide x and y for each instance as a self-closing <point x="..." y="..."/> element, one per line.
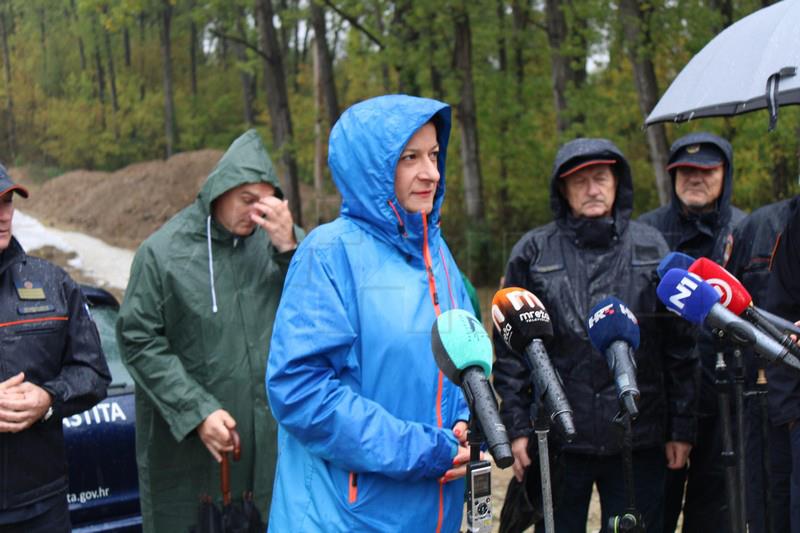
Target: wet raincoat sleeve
<point x="84" y="377"/>
<point x="312" y="344"/>
<point x="157" y="370"/>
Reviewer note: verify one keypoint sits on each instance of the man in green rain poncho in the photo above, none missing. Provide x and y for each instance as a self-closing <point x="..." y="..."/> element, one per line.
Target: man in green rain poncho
<point x="194" y="331"/>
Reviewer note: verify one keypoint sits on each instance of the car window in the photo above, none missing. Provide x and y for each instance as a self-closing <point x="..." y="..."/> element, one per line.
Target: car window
<point x="106" y="317"/>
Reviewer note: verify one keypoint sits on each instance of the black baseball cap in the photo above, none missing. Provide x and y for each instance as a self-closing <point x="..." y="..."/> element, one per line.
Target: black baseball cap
<point x="6" y="185"/>
<point x="579" y="163"/>
<point x="704" y="156"/>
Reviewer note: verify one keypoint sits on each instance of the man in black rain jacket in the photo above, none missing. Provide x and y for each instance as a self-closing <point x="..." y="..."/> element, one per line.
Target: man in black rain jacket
<point x="590" y="251"/>
<point x="754" y="241"/>
<point x="783" y="299"/>
<point x="51" y="366"/>
<point x="699" y="221"/>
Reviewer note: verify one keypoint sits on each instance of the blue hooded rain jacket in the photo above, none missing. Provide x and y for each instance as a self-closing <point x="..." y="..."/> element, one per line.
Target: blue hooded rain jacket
<point x="365" y="415"/>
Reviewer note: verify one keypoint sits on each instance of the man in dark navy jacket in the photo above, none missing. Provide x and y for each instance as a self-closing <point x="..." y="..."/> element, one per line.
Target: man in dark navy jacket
<point x="699" y="221"/>
<point x="783" y="299"/>
<point x="51" y="366"/>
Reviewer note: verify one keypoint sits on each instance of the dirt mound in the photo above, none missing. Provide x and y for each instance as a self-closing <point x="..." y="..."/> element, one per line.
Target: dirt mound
<point x="124" y="207"/>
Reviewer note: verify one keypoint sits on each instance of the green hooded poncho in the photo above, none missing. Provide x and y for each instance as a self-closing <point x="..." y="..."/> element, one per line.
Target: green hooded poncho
<point x="189" y="359"/>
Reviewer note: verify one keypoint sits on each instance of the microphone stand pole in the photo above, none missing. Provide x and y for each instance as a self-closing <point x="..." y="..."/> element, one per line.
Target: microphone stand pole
<point x="542" y="427"/>
<point x="477" y="491"/>
<point x="631" y="520"/>
<point x="723" y="386"/>
<point x="760" y="394"/>
<point x="738" y="386"/>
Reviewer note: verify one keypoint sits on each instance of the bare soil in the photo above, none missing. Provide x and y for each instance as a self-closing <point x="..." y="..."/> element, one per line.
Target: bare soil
<point x="124" y="207"/>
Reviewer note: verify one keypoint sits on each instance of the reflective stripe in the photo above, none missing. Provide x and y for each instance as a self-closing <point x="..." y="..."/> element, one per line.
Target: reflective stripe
<point x="34" y="320"/>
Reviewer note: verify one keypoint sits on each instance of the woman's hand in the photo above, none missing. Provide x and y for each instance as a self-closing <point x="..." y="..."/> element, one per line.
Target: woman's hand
<point x="461" y="459"/>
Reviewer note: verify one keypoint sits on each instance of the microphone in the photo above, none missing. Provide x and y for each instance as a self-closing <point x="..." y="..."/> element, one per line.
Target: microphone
<point x="735" y="297"/>
<point x="614" y="332"/>
<point x="687" y="295"/>
<point x="674" y="260"/>
<point x="781" y="323"/>
<point x="521" y="320"/>
<point x="463" y="352"/>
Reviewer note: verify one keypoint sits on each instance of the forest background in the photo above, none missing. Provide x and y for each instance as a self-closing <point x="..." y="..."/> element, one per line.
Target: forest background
<point x="99" y="84"/>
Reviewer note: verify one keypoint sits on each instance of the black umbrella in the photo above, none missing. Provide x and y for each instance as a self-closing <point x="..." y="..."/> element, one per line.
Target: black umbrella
<point x="234" y="517"/>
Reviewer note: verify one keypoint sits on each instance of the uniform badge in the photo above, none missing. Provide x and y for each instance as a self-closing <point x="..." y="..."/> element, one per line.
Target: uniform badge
<point x="30" y="290"/>
<point x="693" y="149"/>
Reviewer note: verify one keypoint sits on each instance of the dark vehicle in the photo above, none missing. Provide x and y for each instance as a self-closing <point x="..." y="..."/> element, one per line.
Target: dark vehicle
<point x="103" y="485"/>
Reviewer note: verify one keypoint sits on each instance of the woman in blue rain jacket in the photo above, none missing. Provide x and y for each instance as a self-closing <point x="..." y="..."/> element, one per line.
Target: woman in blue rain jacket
<point x="366" y="417"/>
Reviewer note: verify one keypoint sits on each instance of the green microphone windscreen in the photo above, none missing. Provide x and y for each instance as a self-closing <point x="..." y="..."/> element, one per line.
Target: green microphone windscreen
<point x="459" y="341"/>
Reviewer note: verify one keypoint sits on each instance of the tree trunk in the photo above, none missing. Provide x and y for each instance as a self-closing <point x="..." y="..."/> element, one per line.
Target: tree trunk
<point x="502" y="54"/>
<point x="278" y="105"/>
<point x="405" y="32"/>
<point x="11" y="124"/>
<point x="638" y="39"/>
<point x="126" y="43"/>
<point x="170" y="123"/>
<point x="81" y="50"/>
<point x="193" y="56"/>
<point x="101" y="81"/>
<point x="43" y="42"/>
<point x="142" y="87"/>
<point x="519" y="16"/>
<point x="112" y="75"/>
<point x="377" y="6"/>
<point x="98" y="66"/>
<point x="319" y="144"/>
<point x="473" y="187"/>
<point x="246" y="78"/>
<point x="568" y="69"/>
<point x="325" y="64"/>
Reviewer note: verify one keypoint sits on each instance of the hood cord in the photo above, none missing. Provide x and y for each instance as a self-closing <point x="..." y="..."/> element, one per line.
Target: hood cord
<point x="401" y="227"/>
<point x="211" y="266"/>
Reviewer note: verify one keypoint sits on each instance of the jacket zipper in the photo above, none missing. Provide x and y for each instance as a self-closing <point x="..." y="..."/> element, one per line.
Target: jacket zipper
<point x="352" y="486"/>
<point x="426" y="256"/>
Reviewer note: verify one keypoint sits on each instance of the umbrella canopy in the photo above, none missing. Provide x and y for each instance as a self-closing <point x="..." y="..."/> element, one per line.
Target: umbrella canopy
<point x="753" y="64"/>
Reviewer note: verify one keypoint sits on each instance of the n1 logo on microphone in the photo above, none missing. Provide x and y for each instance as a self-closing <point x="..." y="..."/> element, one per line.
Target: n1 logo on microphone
<point x="685" y="288"/>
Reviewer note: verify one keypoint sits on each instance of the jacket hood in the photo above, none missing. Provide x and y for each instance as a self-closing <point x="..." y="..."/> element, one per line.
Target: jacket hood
<point x="245" y="161"/>
<point x="364" y="148"/>
<point x="585" y="149"/>
<point x="724" y="201"/>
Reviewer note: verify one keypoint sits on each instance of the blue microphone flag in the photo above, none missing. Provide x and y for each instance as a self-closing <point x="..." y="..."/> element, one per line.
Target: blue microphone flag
<point x="674" y="260"/>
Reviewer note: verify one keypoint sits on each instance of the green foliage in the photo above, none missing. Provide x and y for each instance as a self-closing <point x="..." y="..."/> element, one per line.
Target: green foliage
<point x="62" y="121"/>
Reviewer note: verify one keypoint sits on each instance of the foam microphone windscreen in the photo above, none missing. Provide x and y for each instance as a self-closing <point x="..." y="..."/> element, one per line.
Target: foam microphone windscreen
<point x="520" y="317"/>
<point x="687" y="295"/>
<point x="610" y="321"/>
<point x="458" y="341"/>
<point x="674" y="260"/>
<point x="732" y="293"/>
